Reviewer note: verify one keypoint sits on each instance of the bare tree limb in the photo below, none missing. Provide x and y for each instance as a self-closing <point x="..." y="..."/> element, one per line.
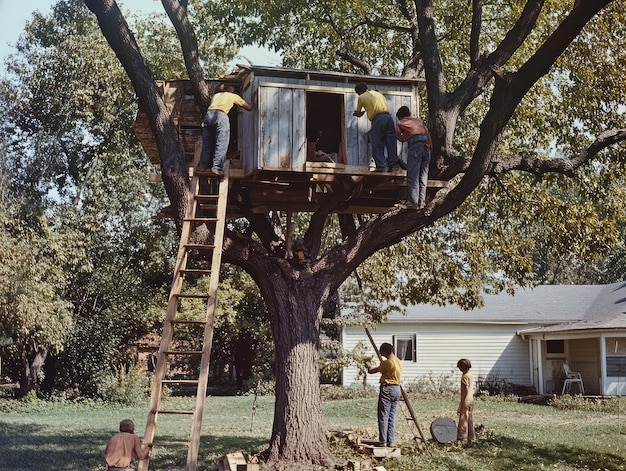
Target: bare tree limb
<point x="177" y="12"/>
<point x="360" y="63"/>
<point x="477" y="20"/>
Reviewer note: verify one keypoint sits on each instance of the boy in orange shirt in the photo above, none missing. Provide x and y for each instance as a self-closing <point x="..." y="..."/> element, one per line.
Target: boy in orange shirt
<point x="120" y="448"/>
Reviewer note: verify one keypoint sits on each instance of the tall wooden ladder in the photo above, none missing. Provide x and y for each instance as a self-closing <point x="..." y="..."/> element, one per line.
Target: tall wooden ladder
<point x="416" y="429"/>
<point x="207" y="205"/>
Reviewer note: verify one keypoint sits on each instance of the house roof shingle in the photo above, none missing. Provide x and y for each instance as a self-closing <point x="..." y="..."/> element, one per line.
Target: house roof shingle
<point x="554" y="307"/>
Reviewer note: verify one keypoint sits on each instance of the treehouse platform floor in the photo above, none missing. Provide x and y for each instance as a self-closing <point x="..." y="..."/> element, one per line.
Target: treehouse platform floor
<point x="275" y="189"/>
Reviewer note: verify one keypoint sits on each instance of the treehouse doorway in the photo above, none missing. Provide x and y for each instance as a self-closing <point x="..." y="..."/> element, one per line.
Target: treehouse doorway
<point x="324" y="127"/>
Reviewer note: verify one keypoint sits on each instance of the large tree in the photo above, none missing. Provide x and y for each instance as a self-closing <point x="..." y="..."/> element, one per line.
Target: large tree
<point x="477" y="97"/>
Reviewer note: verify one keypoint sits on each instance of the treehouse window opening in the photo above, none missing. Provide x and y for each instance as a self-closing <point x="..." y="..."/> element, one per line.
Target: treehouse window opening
<point x="324" y="127"/>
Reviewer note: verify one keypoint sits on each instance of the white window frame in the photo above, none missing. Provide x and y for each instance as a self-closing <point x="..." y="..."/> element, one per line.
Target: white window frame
<point x="412" y="347"/>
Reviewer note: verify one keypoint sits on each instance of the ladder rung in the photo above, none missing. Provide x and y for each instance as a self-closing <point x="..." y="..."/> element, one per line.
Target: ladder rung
<point x="176" y="412"/>
<point x="195" y="271"/>
<point x="200" y="247"/>
<point x="197" y="296"/>
<point x="195" y="219"/>
<point x="184" y="321"/>
<point x="183" y="352"/>
<point x="168" y="444"/>
<point x="205" y="197"/>
<point x="179" y="381"/>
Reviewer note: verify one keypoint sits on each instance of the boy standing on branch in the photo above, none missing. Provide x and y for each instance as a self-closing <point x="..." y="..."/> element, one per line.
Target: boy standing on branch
<point x="413" y="130"/>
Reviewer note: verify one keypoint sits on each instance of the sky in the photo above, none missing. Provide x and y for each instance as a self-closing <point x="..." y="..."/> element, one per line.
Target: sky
<point x="14" y="15"/>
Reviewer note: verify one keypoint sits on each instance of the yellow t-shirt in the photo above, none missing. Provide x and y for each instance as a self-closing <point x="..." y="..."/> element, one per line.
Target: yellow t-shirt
<point x="373" y="102"/>
<point x="390" y="371"/>
<point x="224" y="101"/>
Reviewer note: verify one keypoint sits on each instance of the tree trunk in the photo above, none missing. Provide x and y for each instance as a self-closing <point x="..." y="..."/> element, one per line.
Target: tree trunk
<point x="298" y="434"/>
<point x="30" y="371"/>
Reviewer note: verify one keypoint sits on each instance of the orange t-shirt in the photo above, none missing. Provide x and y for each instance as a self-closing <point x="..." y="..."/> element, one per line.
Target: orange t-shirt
<point x="119" y="451"/>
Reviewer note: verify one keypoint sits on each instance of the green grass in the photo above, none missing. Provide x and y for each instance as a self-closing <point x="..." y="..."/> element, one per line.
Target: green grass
<point x="39" y="435"/>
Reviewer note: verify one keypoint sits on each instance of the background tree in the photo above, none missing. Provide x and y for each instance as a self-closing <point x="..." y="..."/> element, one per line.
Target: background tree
<point x="68" y="150"/>
<point x="489" y="114"/>
<point x="33" y="312"/>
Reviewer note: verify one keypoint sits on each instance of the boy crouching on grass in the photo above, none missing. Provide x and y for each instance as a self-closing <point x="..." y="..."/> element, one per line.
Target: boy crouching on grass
<point x="120" y="448"/>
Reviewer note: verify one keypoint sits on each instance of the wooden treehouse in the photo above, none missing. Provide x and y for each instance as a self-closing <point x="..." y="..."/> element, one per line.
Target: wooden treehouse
<point x="296" y="148"/>
<point x="272" y="153"/>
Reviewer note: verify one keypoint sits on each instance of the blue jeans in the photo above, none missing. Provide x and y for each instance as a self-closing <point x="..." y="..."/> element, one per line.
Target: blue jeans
<point x="383" y="135"/>
<point x="417" y="163"/>
<point x="215" y="139"/>
<point x="388" y="398"/>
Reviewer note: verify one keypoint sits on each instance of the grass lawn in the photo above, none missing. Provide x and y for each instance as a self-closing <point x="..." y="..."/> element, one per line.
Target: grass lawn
<point x="51" y="436"/>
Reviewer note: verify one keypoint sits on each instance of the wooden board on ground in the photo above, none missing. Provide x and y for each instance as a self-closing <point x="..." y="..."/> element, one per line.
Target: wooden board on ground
<point x="248" y="467"/>
<point x="443" y="430"/>
<point x="231" y="462"/>
<point x="373" y="447"/>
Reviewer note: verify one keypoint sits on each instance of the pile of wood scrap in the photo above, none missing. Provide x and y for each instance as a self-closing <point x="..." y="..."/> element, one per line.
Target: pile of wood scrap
<point x="541" y="399"/>
<point x="234" y="462"/>
<point x="379" y="451"/>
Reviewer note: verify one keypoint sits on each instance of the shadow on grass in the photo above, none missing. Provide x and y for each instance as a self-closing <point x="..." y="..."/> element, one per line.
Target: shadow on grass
<point x="505" y="453"/>
<point x="211" y="448"/>
<point x="533" y="455"/>
<point x="32" y="447"/>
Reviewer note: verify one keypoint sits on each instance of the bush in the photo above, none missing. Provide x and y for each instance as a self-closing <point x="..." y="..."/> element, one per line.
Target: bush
<point x="129" y="388"/>
<point x="578" y="402"/>
<point x="258" y="387"/>
<point x="433" y="386"/>
<point x="331" y="392"/>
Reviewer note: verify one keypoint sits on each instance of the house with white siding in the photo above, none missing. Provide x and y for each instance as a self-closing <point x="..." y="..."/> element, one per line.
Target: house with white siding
<point x="523" y="339"/>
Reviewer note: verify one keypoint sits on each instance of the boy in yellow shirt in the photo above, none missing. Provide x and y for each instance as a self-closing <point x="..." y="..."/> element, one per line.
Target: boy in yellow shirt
<point x="391" y="372"/>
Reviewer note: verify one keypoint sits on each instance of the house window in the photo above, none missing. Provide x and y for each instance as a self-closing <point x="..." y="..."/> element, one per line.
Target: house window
<point x="616" y="356"/>
<point x="405" y="347"/>
<point x="555" y="346"/>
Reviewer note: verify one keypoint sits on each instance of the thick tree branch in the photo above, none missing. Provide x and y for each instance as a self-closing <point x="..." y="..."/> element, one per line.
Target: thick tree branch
<point x="482" y="70"/>
<point x="345" y="48"/>
<point x="313" y="235"/>
<point x="511" y="88"/>
<point x="537" y="166"/>
<point x="540" y="63"/>
<point x="177" y="12"/>
<point x="173" y="167"/>
<point x="433" y="67"/>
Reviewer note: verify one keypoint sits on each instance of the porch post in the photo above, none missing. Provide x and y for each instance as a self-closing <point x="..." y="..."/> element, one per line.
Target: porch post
<point x="603" y="391"/>
<point x="539" y="363"/>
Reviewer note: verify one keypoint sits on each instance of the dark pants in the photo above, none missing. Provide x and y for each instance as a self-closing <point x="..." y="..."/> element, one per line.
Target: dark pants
<point x="418" y="161"/>
<point x="388" y="398"/>
<point x="215" y="139"/>
<point x="383" y="136"/>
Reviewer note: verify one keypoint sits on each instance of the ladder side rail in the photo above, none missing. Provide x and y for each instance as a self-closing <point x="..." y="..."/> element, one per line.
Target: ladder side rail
<point x="218" y="242"/>
<point x="409" y="407"/>
<point x="168" y="329"/>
